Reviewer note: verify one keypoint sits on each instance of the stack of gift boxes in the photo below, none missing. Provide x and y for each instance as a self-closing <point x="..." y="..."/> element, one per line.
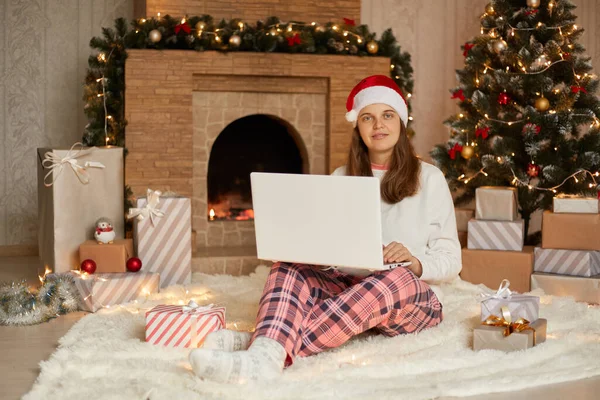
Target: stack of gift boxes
<point x="568" y="262"/>
<point x="495" y="239"/>
<point x="77" y="186"/>
<point x="509" y="321"/>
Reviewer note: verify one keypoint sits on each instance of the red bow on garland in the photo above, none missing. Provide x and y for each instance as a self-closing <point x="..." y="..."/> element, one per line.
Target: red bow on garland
<point x="183" y="27"/>
<point x="349" y="22"/>
<point x="577" y="89"/>
<point x="483" y="132"/>
<point x="531" y="12"/>
<point x="456" y="149"/>
<point x="294" y="40"/>
<point x="458" y="95"/>
<point x="100" y="230"/>
<point x="468" y="47"/>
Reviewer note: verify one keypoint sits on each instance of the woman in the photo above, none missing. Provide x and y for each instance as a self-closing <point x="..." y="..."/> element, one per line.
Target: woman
<point x="307" y="309"/>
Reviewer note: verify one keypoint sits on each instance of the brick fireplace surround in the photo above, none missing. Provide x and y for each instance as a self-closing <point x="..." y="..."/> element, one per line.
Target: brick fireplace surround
<point x="177" y="103"/>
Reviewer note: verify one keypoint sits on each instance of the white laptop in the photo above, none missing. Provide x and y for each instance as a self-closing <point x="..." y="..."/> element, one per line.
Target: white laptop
<point x="319" y="219"/>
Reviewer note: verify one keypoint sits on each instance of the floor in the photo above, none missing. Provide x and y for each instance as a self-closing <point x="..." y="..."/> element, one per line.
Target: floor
<point x="23" y="348"/>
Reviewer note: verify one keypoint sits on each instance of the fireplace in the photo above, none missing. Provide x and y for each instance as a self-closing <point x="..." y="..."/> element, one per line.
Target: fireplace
<point x="256" y="143"/>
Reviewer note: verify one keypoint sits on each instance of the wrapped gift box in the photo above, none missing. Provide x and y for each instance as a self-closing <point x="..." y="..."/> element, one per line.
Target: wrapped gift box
<point x="565" y="203"/>
<point x="581" y="289"/>
<point x="463" y="216"/>
<point x="492" y="337"/>
<point x="103" y="290"/>
<point x="164" y="243"/>
<point x="519" y="305"/>
<point x="69" y="207"/>
<point x="497" y="203"/>
<point x="183" y="326"/>
<point x="491" y="267"/>
<point x="495" y="235"/>
<point x="570" y="231"/>
<point x="108" y="257"/>
<point x="567" y="262"/>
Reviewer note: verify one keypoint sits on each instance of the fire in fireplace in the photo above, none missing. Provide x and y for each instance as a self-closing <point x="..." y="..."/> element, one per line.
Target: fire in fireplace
<point x="256" y="143"/>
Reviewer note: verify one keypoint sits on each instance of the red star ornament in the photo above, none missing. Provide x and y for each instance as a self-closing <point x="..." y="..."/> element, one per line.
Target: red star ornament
<point x="533" y="170"/>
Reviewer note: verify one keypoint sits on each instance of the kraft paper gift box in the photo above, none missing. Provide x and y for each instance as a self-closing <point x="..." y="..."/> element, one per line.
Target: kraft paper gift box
<point x="492" y="337"/>
<point x="75" y="188"/>
<point x="565" y="203"/>
<point x="570" y="231"/>
<point x="97" y="291"/>
<point x="163" y="236"/>
<point x="496" y="203"/>
<point x="463" y="239"/>
<point x="183" y="326"/>
<point x="108" y="257"/>
<point x="463" y="216"/>
<point x="491" y="267"/>
<point x="496" y="235"/>
<point x="582" y="289"/>
<point x="567" y="262"/>
<point x="519" y="305"/>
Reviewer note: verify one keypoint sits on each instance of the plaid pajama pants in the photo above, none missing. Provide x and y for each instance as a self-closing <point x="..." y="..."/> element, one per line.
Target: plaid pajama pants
<point x="309" y="310"/>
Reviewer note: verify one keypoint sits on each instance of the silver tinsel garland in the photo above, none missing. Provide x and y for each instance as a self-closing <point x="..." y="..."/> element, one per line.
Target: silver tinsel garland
<point x="19" y="305"/>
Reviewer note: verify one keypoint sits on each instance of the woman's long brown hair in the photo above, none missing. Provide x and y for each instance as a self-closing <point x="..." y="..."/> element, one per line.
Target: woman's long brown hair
<point x="402" y="178"/>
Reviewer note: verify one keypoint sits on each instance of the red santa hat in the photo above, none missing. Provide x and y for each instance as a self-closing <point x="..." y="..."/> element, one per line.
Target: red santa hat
<point x="372" y="90"/>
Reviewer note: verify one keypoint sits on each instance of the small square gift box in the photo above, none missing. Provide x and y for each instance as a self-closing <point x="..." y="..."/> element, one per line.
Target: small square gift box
<point x="183" y="326"/>
<point x="568" y="203"/>
<point x="496" y="203"/>
<point x="519" y="305"/>
<point x="501" y="333"/>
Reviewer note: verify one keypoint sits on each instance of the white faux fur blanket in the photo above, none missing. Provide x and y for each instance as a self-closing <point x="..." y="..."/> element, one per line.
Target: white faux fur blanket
<point x="104" y="355"/>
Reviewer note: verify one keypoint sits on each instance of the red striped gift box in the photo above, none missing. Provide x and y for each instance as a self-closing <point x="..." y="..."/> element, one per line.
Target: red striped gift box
<point x="180" y="326"/>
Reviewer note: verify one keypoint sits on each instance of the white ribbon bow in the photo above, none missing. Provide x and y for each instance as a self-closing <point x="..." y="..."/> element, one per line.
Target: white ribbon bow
<point x="503" y="292"/>
<point x="149" y="210"/>
<point x="193" y="307"/>
<point x="52" y="161"/>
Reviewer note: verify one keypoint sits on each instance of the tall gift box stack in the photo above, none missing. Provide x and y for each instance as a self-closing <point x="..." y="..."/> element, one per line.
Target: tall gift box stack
<point x="568" y="262"/>
<point x="495" y="239"/>
<point x="76" y="186"/>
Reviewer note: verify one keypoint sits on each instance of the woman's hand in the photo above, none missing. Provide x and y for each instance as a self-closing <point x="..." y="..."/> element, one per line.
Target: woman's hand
<point x="396" y="252"/>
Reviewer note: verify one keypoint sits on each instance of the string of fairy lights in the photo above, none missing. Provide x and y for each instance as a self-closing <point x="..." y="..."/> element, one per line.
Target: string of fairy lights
<point x="540" y="65"/>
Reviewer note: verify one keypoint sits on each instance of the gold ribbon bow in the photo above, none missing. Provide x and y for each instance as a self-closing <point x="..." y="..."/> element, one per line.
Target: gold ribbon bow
<point x="149" y="210"/>
<point x="505" y="321"/>
<point x="53" y="162"/>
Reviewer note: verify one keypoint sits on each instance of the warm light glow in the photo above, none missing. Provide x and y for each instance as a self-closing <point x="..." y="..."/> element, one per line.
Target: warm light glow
<point x="335" y="27"/>
<point x="576" y="180"/>
<point x="289" y="29"/>
<point x="313" y="23"/>
<point x="241" y="25"/>
<point x="183" y="20"/>
<point x="392" y="66"/>
<point x="410" y="118"/>
<point x="512" y="154"/>
<point x="158" y="15"/>
<point x="539" y="24"/>
<point x="142" y="20"/>
<point x="461" y="176"/>
<point x="574" y="27"/>
<point x="211" y="214"/>
<point x="359" y="40"/>
<point x="409" y="95"/>
<point x="345" y="33"/>
<point x="591" y="185"/>
<point x="460" y="115"/>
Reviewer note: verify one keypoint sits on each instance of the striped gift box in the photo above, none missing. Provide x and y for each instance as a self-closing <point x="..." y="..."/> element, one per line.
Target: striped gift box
<point x="165" y="246"/>
<point x="495" y="235"/>
<point x="174" y="326"/>
<point x="567" y="262"/>
<point x="519" y="305"/>
<point x="102" y="290"/>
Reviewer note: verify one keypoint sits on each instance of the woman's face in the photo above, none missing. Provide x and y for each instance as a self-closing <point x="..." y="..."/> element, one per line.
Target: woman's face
<point x="379" y="127"/>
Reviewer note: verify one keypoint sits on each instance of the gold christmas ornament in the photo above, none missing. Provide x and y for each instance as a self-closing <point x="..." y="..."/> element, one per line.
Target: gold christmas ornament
<point x="542" y="104"/>
<point x="155" y="36"/>
<point x="235" y="40"/>
<point x="499" y="46"/>
<point x="372" y="47"/>
<point x="200" y="26"/>
<point x="533" y="3"/>
<point x="467" y="152"/>
<point x="489" y="9"/>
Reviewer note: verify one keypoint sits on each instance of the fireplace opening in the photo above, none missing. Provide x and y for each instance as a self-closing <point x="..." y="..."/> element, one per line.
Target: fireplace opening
<point x="256" y="143"/>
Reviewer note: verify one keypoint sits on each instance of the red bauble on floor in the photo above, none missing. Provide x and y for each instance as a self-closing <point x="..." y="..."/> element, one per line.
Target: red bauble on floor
<point x="134" y="264"/>
<point x="88" y="266"/>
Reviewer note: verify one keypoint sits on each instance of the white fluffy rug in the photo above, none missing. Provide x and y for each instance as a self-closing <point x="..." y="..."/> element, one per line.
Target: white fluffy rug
<point x="104" y="355"/>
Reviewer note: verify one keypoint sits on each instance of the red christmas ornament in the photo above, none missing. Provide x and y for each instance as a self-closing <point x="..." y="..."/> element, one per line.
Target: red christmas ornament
<point x="88" y="266"/>
<point x="533" y="170"/>
<point x="577" y="89"/>
<point x="294" y="40"/>
<point x="455" y="150"/>
<point x="458" y="95"/>
<point x="134" y="264"/>
<point x="467" y="47"/>
<point x="503" y="99"/>
<point x="483" y="132"/>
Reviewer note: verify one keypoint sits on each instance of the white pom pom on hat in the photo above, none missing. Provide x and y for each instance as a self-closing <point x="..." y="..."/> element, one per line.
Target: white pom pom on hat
<point x="373" y="90"/>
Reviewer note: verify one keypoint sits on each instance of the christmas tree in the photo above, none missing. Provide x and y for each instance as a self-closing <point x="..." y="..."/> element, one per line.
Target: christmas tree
<point x="528" y="114"/>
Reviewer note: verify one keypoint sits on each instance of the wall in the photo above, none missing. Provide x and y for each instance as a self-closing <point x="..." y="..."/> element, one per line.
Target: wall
<point x="44" y="46"/>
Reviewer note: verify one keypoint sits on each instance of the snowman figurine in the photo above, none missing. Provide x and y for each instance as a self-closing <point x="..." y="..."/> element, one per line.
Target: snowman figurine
<point x="104" y="232"/>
